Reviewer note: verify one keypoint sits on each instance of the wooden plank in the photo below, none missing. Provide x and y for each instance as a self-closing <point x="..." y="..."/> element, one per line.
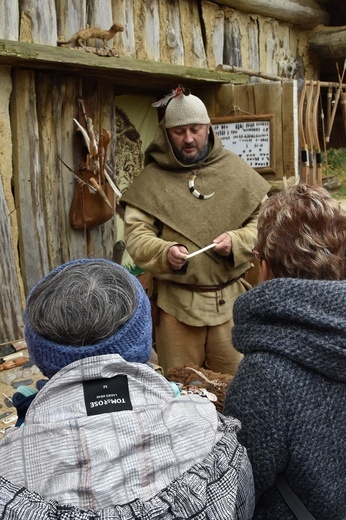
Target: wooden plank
<point x="290" y="145"/>
<point x="48" y="106"/>
<point x="173" y="48"/>
<point x="38" y="25"/>
<point x="100" y="102"/>
<point x="107" y="111"/>
<point x="71" y="17"/>
<point x="214" y="20"/>
<point x="286" y="54"/>
<point x="55" y="109"/>
<point x="224" y="101"/>
<point x="6" y="147"/>
<point x="244" y="100"/>
<point x="124" y="12"/>
<point x="72" y="242"/>
<point x="11" y="321"/>
<point x="269" y="46"/>
<point x="9" y="11"/>
<point x="132" y="75"/>
<point x="192" y="35"/>
<point x="147" y="24"/>
<point x="232" y="46"/>
<point x="70" y="144"/>
<point x="268" y="100"/>
<point x="253" y="38"/>
<point x="11" y="293"/>
<point x="99" y="14"/>
<point x="179" y="40"/>
<point x="27" y="177"/>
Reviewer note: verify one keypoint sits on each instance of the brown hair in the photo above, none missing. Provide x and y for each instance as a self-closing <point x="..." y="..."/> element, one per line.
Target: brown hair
<point x="302" y="234"/>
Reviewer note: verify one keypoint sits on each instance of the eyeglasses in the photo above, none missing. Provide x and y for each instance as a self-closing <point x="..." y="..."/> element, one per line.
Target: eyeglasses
<point x="256" y="253"/>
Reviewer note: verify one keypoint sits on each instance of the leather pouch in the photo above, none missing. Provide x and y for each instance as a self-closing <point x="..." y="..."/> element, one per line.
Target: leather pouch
<point x="88" y="209"/>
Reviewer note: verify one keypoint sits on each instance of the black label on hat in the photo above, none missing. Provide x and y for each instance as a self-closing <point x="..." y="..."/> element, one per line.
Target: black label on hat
<point x="107" y="395"/>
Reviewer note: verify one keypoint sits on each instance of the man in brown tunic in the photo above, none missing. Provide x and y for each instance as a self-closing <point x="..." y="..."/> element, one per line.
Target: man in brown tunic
<point x="192" y="193"/>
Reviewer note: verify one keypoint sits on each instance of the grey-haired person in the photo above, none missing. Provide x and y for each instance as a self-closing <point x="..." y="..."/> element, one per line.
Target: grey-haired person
<point x="290" y="389"/>
<point x="192" y="193"/>
<point x="106" y="436"/>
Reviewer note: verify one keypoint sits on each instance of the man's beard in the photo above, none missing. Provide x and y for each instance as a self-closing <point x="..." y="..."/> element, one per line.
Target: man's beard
<point x="191" y="160"/>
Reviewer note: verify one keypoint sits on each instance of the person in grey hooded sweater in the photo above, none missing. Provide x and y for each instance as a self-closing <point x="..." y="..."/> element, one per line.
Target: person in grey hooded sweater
<point x="290" y="389"/>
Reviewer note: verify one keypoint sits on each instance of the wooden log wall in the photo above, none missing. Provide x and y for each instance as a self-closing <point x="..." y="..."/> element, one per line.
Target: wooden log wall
<point x="38" y="107"/>
<point x="40" y="128"/>
<point x="42" y="113"/>
<point x="193" y="33"/>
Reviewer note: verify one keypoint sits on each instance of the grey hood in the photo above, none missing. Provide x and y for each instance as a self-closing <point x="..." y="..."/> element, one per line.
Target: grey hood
<point x="301" y="320"/>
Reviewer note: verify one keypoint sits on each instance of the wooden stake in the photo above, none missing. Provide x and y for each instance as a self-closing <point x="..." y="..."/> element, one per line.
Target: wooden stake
<point x="336" y="101"/>
<point x="308" y="133"/>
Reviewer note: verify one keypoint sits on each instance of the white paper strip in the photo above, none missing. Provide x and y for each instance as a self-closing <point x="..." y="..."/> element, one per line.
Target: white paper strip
<point x="200" y="251"/>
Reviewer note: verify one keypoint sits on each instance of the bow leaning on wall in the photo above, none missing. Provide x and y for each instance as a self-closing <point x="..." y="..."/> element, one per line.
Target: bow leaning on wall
<point x="308" y="132"/>
<point x="311" y="156"/>
<point x="303" y="145"/>
<point x="315" y="137"/>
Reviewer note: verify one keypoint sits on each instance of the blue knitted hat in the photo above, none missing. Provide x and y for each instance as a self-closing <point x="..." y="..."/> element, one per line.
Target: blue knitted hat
<point x="132" y="341"/>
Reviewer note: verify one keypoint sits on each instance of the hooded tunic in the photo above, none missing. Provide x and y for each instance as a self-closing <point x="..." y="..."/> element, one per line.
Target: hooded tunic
<point x="162" y="212"/>
<point x="290" y="393"/>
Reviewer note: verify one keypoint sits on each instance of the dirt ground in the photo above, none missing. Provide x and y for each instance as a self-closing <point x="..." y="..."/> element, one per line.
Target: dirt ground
<point x="23" y="375"/>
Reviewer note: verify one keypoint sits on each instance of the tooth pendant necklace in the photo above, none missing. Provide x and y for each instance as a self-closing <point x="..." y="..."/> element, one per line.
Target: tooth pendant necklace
<point x="193" y="190"/>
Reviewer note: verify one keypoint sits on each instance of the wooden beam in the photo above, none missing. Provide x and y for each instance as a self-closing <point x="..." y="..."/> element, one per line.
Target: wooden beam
<point x="328" y="42"/>
<point x="305" y="13"/>
<point x="134" y="75"/>
<point x="326" y="83"/>
<point x="249" y="72"/>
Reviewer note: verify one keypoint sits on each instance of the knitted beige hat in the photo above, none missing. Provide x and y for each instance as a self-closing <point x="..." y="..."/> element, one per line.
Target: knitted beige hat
<point x="186" y="110"/>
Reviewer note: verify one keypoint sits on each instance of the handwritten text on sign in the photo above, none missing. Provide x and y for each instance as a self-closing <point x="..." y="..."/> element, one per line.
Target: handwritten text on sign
<point x="248" y="139"/>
